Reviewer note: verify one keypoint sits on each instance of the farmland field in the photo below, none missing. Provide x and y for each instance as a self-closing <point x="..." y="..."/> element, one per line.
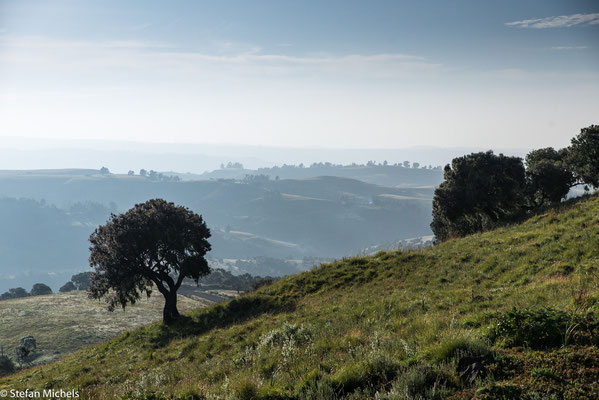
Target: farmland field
<point x="63" y="323"/>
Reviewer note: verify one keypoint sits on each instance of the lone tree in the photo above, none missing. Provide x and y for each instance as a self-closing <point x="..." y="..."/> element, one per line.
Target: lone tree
<point x="154" y="243"/>
<point x="40" y="289"/>
<point x="67" y="287"/>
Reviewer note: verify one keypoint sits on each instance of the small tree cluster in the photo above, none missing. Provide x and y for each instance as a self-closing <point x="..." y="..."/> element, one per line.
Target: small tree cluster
<point x="156" y="176"/>
<point x="14" y="293"/>
<point x="226" y="280"/>
<point x="38" y="289"/>
<point x="482" y="190"/>
<point x="79" y="281"/>
<point x="232" y="165"/>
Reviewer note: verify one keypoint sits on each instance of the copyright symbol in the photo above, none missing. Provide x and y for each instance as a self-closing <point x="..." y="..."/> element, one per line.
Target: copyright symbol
<point x="3" y="393"/>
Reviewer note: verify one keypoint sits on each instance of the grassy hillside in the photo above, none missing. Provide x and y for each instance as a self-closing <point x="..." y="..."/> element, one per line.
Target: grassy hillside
<point x="396" y="325"/>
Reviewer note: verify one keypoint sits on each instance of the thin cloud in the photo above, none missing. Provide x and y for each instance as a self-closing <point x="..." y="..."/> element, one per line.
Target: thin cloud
<point x="562" y="21"/>
<point x="162" y="58"/>
<point x="560" y="48"/>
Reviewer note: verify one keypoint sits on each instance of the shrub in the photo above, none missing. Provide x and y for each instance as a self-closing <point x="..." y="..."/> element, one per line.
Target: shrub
<point x="420" y="381"/>
<point x="316" y="387"/>
<point x="459" y="347"/>
<point x="288" y="334"/>
<point x="541" y="328"/>
<point x="246" y="390"/>
<point x="40" y="289"/>
<point x="67" y="287"/>
<point x="6" y="366"/>
<point x="14" y="293"/>
<point x="364" y="374"/>
<point x="544" y="373"/>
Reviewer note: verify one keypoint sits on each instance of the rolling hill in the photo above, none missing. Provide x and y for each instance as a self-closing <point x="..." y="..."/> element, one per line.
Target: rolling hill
<point x="505" y="314"/>
<point x="55" y="211"/>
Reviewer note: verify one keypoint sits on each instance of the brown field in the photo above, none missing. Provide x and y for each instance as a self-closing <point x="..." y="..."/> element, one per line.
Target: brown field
<point x="63" y="323"/>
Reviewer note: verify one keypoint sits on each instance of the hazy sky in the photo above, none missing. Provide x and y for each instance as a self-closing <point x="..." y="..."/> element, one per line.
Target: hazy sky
<point x="304" y="73"/>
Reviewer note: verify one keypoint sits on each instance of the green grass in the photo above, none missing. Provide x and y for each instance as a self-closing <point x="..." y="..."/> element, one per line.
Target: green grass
<point x="395" y="324"/>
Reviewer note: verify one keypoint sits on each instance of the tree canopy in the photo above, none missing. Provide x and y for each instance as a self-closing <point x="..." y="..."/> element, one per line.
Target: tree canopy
<point x="40" y="289"/>
<point x="548" y="178"/>
<point x="153" y="244"/>
<point x="480" y="191"/>
<point x="583" y="156"/>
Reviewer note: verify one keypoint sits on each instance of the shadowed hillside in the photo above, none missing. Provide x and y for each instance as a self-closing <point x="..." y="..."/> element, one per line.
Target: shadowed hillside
<point x="55" y="211"/>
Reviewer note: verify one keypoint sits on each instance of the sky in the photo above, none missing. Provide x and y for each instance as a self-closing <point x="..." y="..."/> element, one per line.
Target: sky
<point x="327" y="74"/>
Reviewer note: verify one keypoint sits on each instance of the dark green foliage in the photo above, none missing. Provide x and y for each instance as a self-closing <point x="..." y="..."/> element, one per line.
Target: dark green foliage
<point x="67" y="287"/>
<point x="540" y="328"/>
<point x="14" y="293"/>
<point x="224" y="279"/>
<point x="583" y="156"/>
<point x="40" y="289"/>
<point x="82" y="280"/>
<point x="6" y="366"/>
<point x="480" y="192"/>
<point x="548" y="178"/>
<point x="154" y="243"/>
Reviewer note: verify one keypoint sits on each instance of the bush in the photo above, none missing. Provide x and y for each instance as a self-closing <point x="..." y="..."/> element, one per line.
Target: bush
<point x="14" y="293"/>
<point x="288" y="334"/>
<point x="82" y="280"/>
<point x="317" y="389"/>
<point x="67" y="287"/>
<point x="420" y="381"/>
<point x="246" y="390"/>
<point x="459" y="347"/>
<point x="545" y="373"/>
<point x="6" y="366"/>
<point x="364" y="374"/>
<point x="537" y="329"/>
<point x="40" y="289"/>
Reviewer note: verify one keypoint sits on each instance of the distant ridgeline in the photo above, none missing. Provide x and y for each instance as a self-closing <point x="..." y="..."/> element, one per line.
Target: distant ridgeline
<point x="404" y="174"/>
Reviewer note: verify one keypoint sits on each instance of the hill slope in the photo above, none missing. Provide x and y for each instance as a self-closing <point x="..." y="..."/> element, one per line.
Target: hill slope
<point x="399" y="324"/>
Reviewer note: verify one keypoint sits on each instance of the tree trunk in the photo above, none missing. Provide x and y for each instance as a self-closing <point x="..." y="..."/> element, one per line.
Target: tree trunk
<point x="170" y="313"/>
